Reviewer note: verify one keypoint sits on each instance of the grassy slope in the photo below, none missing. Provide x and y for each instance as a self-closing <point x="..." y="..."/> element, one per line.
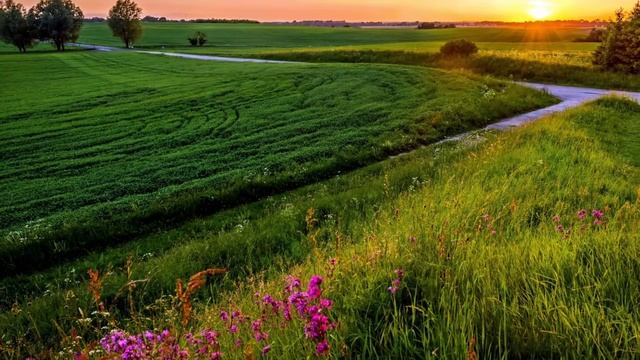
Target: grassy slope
<point x="137" y="141"/>
<point x="528" y="290"/>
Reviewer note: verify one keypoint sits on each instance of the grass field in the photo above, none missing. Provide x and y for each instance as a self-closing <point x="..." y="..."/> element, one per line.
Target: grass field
<point x="135" y="141"/>
<point x="525" y="53"/>
<point x="248" y="38"/>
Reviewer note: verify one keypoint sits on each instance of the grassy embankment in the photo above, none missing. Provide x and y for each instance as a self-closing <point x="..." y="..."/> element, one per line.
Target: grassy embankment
<point x="487" y="233"/>
<point x="506" y="246"/>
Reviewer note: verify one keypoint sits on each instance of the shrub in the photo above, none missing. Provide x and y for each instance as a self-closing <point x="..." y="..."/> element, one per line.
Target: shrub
<point x="460" y="48"/>
<point x="198" y="39"/>
<point x="596" y="35"/>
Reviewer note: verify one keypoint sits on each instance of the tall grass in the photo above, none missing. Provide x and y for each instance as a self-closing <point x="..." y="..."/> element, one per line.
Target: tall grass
<point x="508" y="262"/>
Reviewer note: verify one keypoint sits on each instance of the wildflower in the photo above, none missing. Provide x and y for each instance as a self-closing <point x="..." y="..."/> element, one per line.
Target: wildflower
<point x="597" y="214"/>
<point x="556" y="219"/>
<point x="216" y="355"/>
<point x="322" y="348"/>
<point x="395" y="284"/>
<point x="258" y="334"/>
<point x="211" y="336"/>
<point x="333" y="262"/>
<point x="256" y="325"/>
<point x="326" y="303"/>
<point x="286" y="311"/>
<point x="293" y="283"/>
<point x="582" y="214"/>
<point x="224" y="316"/>
<point x="233" y="329"/>
<point x="191" y="340"/>
<point x="314" y="290"/>
<point x="266" y="350"/>
<point x="413" y="240"/>
<point x="317" y="327"/>
<point x="299" y="300"/>
<point x="150" y="336"/>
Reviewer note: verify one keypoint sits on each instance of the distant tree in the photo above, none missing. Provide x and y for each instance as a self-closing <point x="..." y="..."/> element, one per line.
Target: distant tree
<point x="57" y="20"/>
<point x="435" y="25"/>
<point x="620" y="48"/>
<point x="17" y="27"/>
<point x="595" y="35"/>
<point x="458" y="48"/>
<point x="95" y="19"/>
<point x="198" y="39"/>
<point x="635" y="13"/>
<point x="124" y="21"/>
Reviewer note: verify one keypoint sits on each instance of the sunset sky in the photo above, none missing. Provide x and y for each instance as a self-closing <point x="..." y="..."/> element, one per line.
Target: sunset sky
<point x="354" y="10"/>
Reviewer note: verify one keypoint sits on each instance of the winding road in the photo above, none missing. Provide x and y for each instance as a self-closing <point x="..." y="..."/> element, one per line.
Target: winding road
<point x="570" y="96"/>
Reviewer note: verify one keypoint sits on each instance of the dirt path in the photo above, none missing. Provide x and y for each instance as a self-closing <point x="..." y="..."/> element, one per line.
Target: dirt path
<point x="570" y="96"/>
<point x="182" y="55"/>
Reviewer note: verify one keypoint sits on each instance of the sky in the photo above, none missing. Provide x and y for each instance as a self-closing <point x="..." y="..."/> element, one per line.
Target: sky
<point x="369" y="10"/>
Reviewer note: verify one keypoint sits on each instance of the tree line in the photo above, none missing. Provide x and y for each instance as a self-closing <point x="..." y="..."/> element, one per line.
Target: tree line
<point x="60" y="21"/>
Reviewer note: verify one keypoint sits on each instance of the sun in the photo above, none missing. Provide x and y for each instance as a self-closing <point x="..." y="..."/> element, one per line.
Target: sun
<point x="539" y="10"/>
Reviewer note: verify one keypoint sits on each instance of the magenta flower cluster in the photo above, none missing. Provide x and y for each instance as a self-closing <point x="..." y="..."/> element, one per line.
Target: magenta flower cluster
<point x="312" y="309"/>
<point x="308" y="305"/>
<point x="148" y="345"/>
<point x="395" y="284"/>
<point x="582" y="215"/>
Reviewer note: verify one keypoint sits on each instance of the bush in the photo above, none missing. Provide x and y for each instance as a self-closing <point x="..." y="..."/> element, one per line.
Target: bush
<point x="460" y="48"/>
<point x="198" y="39"/>
<point x="596" y="35"/>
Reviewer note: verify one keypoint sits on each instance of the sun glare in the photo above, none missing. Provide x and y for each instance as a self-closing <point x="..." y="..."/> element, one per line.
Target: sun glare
<point x="539" y="10"/>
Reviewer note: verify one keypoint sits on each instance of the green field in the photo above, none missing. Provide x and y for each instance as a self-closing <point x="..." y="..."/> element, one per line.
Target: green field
<point x="150" y="169"/>
<point x="248" y="38"/>
<point x="522" y="53"/>
<point x="135" y="141"/>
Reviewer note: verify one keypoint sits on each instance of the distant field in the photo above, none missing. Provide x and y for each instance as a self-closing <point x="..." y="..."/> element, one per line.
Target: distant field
<point x="103" y="146"/>
<point x="524" y="53"/>
<point x="243" y="38"/>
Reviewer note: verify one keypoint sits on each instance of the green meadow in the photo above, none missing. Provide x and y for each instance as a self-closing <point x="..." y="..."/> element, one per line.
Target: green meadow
<point x="134" y="142"/>
<point x="243" y="38"/>
<point x="126" y="173"/>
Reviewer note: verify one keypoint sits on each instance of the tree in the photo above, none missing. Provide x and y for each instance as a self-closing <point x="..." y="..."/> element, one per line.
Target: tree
<point x="620" y="49"/>
<point x="124" y="21"/>
<point x="635" y="13"/>
<point x="198" y="39"/>
<point x="16" y="26"/>
<point x="57" y="20"/>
